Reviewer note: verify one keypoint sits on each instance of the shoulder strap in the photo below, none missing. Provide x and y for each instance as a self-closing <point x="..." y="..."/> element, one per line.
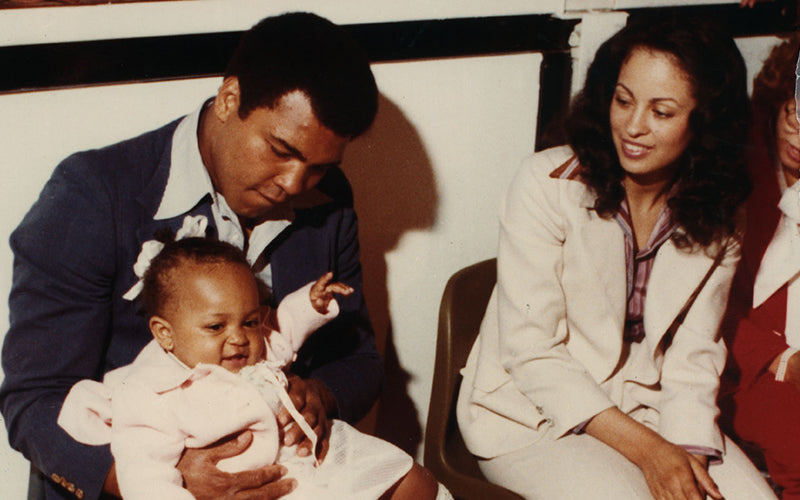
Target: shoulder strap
<point x="676" y="323"/>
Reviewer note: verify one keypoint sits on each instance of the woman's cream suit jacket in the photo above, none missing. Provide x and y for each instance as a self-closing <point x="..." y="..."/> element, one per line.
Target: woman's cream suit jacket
<point x="553" y="328"/>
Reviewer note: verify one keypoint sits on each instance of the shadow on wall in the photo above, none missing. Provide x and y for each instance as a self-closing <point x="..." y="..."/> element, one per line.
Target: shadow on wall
<point x="395" y="192"/>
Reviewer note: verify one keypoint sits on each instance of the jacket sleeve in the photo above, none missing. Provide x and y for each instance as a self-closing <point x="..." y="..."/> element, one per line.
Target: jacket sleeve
<point x="532" y="311"/>
<point x="293" y="322"/>
<point x="755" y="337"/>
<point x="693" y="364"/>
<point x="60" y="307"/>
<point x="754" y="348"/>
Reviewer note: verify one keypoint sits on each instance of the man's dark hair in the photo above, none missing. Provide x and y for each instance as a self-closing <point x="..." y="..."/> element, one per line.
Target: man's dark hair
<point x="302" y="51"/>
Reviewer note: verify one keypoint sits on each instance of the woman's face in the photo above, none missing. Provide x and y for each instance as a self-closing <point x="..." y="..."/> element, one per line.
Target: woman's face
<point x="649" y="115"/>
<point x="787" y="140"/>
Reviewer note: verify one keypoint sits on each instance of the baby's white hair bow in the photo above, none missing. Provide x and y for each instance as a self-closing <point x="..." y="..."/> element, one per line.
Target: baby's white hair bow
<point x="194" y="226"/>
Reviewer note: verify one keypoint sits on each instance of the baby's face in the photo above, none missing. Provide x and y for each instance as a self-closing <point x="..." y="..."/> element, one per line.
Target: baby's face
<point x="214" y="316"/>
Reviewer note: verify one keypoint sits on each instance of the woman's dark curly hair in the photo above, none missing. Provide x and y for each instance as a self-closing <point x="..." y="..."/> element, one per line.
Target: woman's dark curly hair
<point x="158" y="283"/>
<point x="712" y="175"/>
<point x="773" y="86"/>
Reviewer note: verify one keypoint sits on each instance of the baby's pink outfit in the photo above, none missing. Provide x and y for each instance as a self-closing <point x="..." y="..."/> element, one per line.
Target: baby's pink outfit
<point x="160" y="407"/>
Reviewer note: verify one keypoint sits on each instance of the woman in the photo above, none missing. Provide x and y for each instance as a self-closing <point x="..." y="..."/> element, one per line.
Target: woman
<point x="585" y="380"/>
<point x="764" y="366"/>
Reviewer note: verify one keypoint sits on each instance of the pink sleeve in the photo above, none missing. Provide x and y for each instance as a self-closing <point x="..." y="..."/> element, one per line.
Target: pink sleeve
<point x="714" y="456"/>
<point x="295" y="320"/>
<point x="86" y="413"/>
<point x="146" y="445"/>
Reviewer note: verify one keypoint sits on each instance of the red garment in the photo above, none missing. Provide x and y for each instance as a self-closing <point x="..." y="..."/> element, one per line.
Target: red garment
<point x="756" y="408"/>
<point x="751" y="341"/>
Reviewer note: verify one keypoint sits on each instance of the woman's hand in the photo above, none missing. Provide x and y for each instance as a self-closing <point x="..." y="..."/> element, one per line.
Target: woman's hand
<point x="671" y="472"/>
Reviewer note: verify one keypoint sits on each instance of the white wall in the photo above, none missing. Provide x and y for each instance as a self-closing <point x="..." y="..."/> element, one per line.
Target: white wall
<point x="427" y="179"/>
<point x="98" y="22"/>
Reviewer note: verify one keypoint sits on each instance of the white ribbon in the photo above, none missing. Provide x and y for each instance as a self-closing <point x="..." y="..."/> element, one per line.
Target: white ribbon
<point x="277" y="381"/>
<point x="194" y="226"/>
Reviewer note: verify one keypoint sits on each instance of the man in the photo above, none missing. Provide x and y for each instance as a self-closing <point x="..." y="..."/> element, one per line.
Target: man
<point x="260" y="161"/>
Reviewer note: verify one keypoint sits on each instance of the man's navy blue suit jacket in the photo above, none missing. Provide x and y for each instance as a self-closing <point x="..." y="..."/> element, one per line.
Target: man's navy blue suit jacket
<point x="73" y="260"/>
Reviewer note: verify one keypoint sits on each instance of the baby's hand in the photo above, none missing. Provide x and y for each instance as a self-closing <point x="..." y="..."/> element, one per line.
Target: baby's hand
<point x="322" y="292"/>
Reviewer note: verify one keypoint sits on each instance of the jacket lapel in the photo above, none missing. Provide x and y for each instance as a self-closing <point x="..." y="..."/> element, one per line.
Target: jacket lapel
<point x="781" y="262"/>
<point x="675" y="276"/>
<point x="150" y="199"/>
<point x="604" y="245"/>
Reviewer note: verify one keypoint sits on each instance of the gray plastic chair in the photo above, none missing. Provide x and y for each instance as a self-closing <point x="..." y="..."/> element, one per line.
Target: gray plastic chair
<point x="460" y="313"/>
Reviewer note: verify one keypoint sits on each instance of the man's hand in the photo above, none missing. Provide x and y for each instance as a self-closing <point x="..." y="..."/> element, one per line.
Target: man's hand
<point x="110" y="486"/>
<point x="206" y="482"/>
<point x="315" y="403"/>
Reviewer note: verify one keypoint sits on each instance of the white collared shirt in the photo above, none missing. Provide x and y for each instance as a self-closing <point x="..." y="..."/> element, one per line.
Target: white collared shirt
<point x="781" y="262"/>
<point x="189" y="182"/>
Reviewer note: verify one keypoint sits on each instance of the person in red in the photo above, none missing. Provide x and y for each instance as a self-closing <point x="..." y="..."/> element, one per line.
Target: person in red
<point x="762" y="404"/>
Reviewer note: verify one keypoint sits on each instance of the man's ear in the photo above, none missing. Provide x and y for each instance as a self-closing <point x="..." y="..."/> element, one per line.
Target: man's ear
<point x="162" y="331"/>
<point x="228" y="98"/>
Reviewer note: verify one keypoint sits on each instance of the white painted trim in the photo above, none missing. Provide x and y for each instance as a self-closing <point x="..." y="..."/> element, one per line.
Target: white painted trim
<point x="98" y="22"/>
<point x="635" y="4"/>
<point x="572" y="6"/>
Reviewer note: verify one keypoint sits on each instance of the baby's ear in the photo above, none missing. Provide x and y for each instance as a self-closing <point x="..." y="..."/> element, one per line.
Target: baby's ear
<point x="162" y="331"/>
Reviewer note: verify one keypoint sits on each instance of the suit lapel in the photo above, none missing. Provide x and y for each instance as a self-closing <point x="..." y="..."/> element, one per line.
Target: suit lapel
<point x="150" y="197"/>
<point x="150" y="200"/>
<point x="604" y="244"/>
<point x="781" y="263"/>
<point x="675" y="276"/>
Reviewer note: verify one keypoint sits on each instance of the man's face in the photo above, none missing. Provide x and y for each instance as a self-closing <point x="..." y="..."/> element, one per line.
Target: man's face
<point x="270" y="156"/>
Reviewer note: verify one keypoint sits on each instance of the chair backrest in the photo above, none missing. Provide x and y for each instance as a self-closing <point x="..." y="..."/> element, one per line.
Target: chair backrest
<point x="463" y="305"/>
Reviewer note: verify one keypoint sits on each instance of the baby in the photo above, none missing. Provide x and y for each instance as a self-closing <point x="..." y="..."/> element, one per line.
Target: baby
<point x="213" y="370"/>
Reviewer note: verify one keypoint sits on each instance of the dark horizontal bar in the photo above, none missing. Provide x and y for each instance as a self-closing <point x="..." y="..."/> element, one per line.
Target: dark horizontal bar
<point x="35" y="67"/>
<point x="458" y="37"/>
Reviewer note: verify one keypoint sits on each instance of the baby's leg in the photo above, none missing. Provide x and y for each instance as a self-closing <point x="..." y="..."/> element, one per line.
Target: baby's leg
<point x="419" y="483"/>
